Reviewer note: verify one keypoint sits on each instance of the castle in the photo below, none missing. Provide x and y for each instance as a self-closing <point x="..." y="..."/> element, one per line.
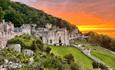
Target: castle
<point x="49" y="34"/>
<point x="53" y="35"/>
<point x="6" y="31"/>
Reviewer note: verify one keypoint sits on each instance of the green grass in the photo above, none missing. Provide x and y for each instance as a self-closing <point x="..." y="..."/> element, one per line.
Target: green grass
<point x="24" y="40"/>
<point x="78" y="55"/>
<point x="104" y="55"/>
<point x="101" y="53"/>
<point x="27" y="42"/>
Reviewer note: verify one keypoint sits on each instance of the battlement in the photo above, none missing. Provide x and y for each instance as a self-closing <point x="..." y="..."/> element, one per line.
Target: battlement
<point x="6" y="31"/>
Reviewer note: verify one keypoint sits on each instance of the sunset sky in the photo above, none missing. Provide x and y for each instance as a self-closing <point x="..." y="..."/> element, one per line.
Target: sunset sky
<point x="88" y="15"/>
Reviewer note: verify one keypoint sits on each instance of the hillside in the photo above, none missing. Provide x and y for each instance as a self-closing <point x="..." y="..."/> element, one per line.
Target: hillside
<point x="100" y="53"/>
<point x="33" y="55"/>
<point x="20" y="14"/>
<point x="104" y="55"/>
<point x="83" y="61"/>
<point x="101" y="40"/>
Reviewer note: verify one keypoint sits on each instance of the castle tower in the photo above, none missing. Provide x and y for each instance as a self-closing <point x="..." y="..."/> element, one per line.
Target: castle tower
<point x="26" y="29"/>
<point x="49" y="26"/>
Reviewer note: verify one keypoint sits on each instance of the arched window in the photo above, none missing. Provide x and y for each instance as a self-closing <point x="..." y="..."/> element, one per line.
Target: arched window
<point x="50" y="41"/>
<point x="41" y="38"/>
<point x="60" y="42"/>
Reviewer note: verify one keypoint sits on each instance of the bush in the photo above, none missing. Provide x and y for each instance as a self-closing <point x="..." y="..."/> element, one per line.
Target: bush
<point x="74" y="66"/>
<point x="1" y="61"/>
<point x="99" y="65"/>
<point x="37" y="44"/>
<point x="27" y="42"/>
<point x="13" y="56"/>
<point x="53" y="62"/>
<point x="69" y="58"/>
<point x="101" y="40"/>
<point x="47" y="49"/>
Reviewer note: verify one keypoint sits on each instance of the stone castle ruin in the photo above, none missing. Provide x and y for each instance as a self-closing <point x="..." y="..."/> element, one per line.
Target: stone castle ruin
<point x="6" y="30"/>
<point x="54" y="35"/>
<point x="49" y="34"/>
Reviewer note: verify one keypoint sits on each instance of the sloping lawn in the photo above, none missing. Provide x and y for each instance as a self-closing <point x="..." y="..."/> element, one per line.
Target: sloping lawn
<point x="78" y="55"/>
<point x="104" y="55"/>
<point x="101" y="53"/>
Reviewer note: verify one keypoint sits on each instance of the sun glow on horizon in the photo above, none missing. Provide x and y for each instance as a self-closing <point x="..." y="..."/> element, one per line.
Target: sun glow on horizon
<point x="96" y="27"/>
<point x="110" y="31"/>
<point x="88" y="15"/>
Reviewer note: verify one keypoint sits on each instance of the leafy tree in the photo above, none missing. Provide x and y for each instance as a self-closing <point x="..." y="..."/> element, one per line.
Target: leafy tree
<point x="69" y="58"/>
<point x="37" y="44"/>
<point x="1" y="14"/>
<point x="112" y="44"/>
<point x="104" y="41"/>
<point x="20" y="14"/>
<point x="23" y="40"/>
<point x="99" y="65"/>
<point x="47" y="49"/>
<point x="4" y="4"/>
<point x="74" y="66"/>
<point x="1" y="61"/>
<point x="101" y="40"/>
<point x="14" y="17"/>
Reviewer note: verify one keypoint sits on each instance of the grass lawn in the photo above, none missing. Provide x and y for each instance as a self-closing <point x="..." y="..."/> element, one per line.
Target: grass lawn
<point x="101" y="53"/>
<point x="78" y="55"/>
<point x="104" y="55"/>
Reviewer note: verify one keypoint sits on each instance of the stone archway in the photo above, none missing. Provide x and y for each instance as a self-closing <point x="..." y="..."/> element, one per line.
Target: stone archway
<point x="60" y="41"/>
<point x="41" y="38"/>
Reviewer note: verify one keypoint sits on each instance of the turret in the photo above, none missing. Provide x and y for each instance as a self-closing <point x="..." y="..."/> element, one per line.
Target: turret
<point x="49" y="26"/>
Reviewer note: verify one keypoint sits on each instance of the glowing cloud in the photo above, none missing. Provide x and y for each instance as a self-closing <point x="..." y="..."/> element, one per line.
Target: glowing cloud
<point x="86" y="14"/>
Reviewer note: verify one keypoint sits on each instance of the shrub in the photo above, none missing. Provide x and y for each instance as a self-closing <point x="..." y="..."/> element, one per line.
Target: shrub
<point x="99" y="65"/>
<point x="1" y="61"/>
<point x="37" y="44"/>
<point x="13" y="56"/>
<point x="27" y="42"/>
<point x="47" y="49"/>
<point x="74" y="66"/>
<point x="69" y="58"/>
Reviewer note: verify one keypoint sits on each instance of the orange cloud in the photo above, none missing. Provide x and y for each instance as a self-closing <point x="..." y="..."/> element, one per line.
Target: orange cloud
<point x="88" y="15"/>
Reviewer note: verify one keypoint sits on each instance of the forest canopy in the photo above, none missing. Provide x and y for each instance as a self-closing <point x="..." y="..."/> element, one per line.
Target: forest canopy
<point x="19" y="14"/>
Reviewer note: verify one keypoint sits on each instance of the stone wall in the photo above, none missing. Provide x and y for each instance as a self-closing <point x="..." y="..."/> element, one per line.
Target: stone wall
<point x="6" y="33"/>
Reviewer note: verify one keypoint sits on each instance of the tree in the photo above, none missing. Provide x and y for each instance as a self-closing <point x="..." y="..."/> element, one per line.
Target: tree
<point x="4" y="4"/>
<point x="1" y="14"/>
<point x="104" y="41"/>
<point x="14" y="17"/>
<point x="101" y="40"/>
<point x="74" y="66"/>
<point x="37" y="44"/>
<point x="99" y="65"/>
<point x="92" y="37"/>
<point x="69" y="58"/>
<point x="20" y="14"/>
<point x="112" y="44"/>
<point x="47" y="49"/>
<point x="1" y="61"/>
